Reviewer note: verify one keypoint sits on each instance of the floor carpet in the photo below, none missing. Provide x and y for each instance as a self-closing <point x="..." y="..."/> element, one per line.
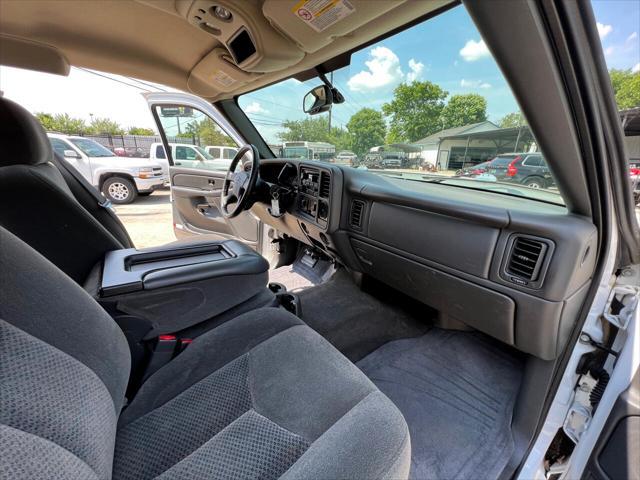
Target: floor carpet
<point x="456" y="390"/>
<point x="357" y="323"/>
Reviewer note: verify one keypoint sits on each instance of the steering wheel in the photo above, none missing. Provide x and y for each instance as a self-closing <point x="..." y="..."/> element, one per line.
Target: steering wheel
<point x="238" y="186"/>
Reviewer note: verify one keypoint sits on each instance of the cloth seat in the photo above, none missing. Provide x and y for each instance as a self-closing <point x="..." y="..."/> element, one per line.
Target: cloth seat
<point x="262" y="396"/>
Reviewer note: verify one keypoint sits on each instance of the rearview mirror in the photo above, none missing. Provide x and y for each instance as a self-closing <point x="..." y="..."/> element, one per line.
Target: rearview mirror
<point x="318" y="100"/>
<point x="71" y="154"/>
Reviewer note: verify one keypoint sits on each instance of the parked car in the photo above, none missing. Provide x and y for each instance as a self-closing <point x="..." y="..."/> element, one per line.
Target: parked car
<point x="347" y="158"/>
<point x="473" y="170"/>
<point x="120" y="179"/>
<point x="188" y="156"/>
<point x="528" y="169"/>
<point x="220" y="152"/>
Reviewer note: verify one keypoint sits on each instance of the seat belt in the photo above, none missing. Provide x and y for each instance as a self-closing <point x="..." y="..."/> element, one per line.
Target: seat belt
<point x="103" y="203"/>
<point x="100" y="199"/>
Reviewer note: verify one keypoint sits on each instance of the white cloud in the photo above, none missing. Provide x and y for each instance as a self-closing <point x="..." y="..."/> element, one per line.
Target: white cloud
<point x="416" y="70"/>
<point x="474" y="84"/>
<point x="633" y="36"/>
<point x="608" y="51"/>
<point x="603" y="30"/>
<point x="636" y="68"/>
<point x="473" y="50"/>
<point x="254" y="107"/>
<point x="383" y="68"/>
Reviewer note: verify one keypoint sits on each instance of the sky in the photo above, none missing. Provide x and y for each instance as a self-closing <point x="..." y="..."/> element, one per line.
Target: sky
<point x="446" y="50"/>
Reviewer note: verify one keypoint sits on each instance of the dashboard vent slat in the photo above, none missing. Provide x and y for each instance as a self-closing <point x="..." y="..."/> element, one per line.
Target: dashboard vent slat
<point x="325" y="185"/>
<point x="526" y="257"/>
<point x="355" y="215"/>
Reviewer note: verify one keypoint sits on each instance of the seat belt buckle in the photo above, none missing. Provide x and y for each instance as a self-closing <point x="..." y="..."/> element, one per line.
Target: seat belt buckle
<point x="106" y="203"/>
<point x="162" y="353"/>
<point x="183" y="344"/>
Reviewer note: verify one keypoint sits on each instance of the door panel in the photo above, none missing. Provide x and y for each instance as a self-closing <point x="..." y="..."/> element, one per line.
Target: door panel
<point x="196" y="207"/>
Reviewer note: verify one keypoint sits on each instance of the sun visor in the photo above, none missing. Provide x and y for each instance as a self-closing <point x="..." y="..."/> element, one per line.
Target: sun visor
<point x="314" y="24"/>
<point x="21" y="53"/>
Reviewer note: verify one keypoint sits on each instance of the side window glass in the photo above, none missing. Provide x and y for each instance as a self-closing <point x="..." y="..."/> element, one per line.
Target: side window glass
<point x="59" y="146"/>
<point x="229" y="153"/>
<point x="160" y="152"/>
<point x="181" y="153"/>
<point x="195" y="137"/>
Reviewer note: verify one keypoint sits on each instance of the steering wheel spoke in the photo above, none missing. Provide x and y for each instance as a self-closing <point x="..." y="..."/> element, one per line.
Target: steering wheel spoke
<point x="238" y="186"/>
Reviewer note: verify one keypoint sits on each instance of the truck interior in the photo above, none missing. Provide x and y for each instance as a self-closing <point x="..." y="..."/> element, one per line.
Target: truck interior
<point x="343" y="337"/>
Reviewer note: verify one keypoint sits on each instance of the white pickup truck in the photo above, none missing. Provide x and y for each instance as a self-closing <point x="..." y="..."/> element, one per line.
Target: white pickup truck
<point x="192" y="156"/>
<point x="120" y="179"/>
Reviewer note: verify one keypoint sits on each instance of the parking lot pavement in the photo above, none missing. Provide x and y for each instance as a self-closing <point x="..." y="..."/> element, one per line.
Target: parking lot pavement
<point x="148" y="220"/>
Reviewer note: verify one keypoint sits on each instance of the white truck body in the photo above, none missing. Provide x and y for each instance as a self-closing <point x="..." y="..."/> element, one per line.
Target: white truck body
<point x="94" y="164"/>
<point x="189" y="156"/>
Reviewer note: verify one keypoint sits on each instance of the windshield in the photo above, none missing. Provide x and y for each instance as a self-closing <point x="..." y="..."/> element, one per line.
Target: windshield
<point x="428" y="100"/>
<point x="91" y="148"/>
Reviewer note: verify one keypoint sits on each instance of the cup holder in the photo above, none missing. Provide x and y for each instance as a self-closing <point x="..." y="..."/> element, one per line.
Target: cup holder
<point x="277" y="288"/>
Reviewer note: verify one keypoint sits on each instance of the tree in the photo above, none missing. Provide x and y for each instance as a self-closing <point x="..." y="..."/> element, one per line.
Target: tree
<point x="140" y="131"/>
<point x="415" y="110"/>
<point x="626" y="87"/>
<point x="312" y="129"/>
<point x="464" y="110"/>
<point x="512" y="120"/>
<point x="367" y="129"/>
<point x="62" y="123"/>
<point x="207" y="132"/>
<point x="105" y="126"/>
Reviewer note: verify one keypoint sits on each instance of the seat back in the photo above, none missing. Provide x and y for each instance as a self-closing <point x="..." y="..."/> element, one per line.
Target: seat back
<point x="37" y="204"/>
<point x="64" y="366"/>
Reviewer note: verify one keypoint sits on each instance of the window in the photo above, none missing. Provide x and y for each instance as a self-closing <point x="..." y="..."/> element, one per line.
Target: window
<point x="427" y="104"/>
<point x="59" y="146"/>
<point x="229" y="153"/>
<point x="91" y="148"/>
<point x="185" y="153"/>
<point x="194" y="138"/>
<point x="160" y="152"/>
<point x="533" y="161"/>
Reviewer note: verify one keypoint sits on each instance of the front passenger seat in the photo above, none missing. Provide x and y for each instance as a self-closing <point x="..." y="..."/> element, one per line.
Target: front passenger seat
<point x="37" y="204"/>
<point x="262" y="396"/>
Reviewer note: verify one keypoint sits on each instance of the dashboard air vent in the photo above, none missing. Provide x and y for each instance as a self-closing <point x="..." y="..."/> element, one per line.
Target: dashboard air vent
<point x="325" y="185"/>
<point x="355" y="216"/>
<point x="526" y="258"/>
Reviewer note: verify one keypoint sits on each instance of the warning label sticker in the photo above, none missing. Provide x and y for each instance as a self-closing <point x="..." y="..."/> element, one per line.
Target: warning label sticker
<point x="223" y="78"/>
<point x="321" y="14"/>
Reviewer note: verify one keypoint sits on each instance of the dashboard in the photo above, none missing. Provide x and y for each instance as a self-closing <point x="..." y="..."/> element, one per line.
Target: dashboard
<point x="514" y="268"/>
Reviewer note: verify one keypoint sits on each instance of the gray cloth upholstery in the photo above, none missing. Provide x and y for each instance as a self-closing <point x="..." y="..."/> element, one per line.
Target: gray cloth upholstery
<point x="37" y="204"/>
<point x="261" y="396"/>
<point x="266" y="369"/>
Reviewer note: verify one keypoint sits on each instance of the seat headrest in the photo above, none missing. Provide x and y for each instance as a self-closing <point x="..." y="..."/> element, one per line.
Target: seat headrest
<point x="23" y="140"/>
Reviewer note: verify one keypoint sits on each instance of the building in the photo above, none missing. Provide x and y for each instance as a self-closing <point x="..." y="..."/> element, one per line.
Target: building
<point x="438" y="148"/>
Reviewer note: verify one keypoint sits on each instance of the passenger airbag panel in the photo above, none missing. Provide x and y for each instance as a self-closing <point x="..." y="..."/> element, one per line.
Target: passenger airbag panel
<point x="431" y="236"/>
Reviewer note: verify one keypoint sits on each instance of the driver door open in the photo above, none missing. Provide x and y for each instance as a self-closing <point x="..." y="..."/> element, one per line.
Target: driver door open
<point x="188" y="125"/>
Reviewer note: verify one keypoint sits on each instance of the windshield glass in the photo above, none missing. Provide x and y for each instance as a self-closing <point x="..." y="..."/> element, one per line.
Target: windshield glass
<point x="414" y="112"/>
<point x="91" y="148"/>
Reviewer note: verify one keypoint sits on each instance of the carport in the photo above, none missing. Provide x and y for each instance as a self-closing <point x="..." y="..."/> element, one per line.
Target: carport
<point x="482" y="146"/>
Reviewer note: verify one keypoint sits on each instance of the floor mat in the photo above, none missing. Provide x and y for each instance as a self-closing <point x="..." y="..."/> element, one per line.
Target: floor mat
<point x="355" y="322"/>
<point x="456" y="390"/>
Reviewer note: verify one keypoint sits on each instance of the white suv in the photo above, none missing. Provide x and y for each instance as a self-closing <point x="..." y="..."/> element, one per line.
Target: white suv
<point x="121" y="179"/>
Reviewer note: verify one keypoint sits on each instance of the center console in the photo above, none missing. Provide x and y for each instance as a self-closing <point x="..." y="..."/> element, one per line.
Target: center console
<point x="314" y="193"/>
<point x="176" y="287"/>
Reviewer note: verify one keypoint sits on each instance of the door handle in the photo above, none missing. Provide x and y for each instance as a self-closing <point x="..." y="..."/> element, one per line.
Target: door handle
<point x="203" y="207"/>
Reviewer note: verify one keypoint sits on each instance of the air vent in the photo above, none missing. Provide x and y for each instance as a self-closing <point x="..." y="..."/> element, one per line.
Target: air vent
<point x="325" y="185"/>
<point x="355" y="216"/>
<point x="526" y="258"/>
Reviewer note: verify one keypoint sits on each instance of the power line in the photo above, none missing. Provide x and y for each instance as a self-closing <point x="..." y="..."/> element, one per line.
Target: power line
<point x="113" y="79"/>
<point x="147" y="84"/>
